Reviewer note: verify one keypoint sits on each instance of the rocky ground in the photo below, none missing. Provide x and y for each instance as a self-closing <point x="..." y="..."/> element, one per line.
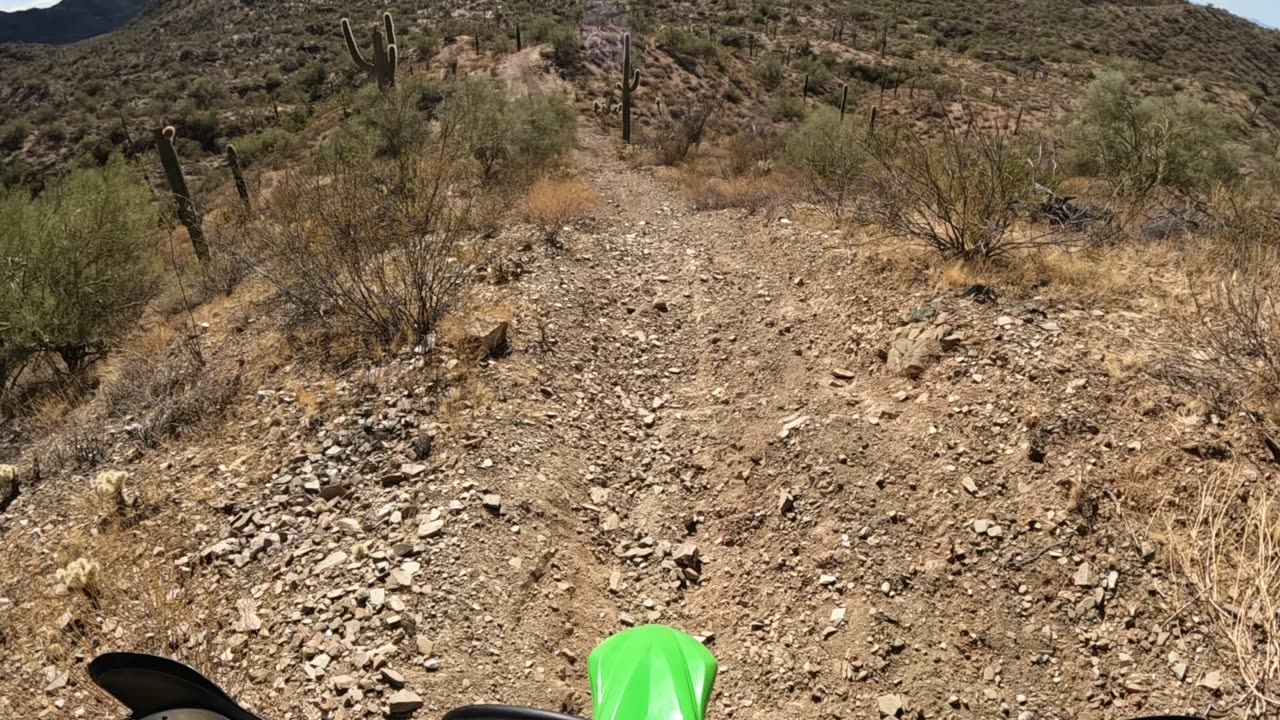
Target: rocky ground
<point x="867" y="498"/>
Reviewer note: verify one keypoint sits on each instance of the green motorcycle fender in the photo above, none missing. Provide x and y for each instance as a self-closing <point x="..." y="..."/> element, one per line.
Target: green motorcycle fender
<point x="651" y="672"/>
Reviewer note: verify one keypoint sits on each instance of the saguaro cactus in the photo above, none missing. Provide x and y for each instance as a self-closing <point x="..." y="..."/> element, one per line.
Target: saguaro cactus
<point x="233" y="160"/>
<point x="188" y="213"/>
<point x="630" y="81"/>
<point x="385" y="54"/>
<point x="844" y="101"/>
<point x="519" y="39"/>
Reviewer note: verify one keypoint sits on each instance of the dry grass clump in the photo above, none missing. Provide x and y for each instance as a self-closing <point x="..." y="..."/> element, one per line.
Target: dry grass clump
<point x="1228" y="355"/>
<point x="552" y="204"/>
<point x="756" y="195"/>
<point x="1227" y="546"/>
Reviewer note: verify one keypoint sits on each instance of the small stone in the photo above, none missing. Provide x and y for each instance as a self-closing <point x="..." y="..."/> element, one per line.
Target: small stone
<point x="333" y="560"/>
<point x="1212" y="680"/>
<point x="981" y="526"/>
<point x="890" y="706"/>
<point x="492" y="502"/>
<point x="392" y="678"/>
<point x="404" y="702"/>
<point x="1083" y="576"/>
<point x="344" y="682"/>
<point x="1004" y="321"/>
<point x="425" y="645"/>
<point x="430" y="529"/>
<point x="969" y="486"/>
<point x="837" y="616"/>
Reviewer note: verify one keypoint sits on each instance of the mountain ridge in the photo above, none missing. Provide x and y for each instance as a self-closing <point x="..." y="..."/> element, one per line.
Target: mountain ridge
<point x="69" y="21"/>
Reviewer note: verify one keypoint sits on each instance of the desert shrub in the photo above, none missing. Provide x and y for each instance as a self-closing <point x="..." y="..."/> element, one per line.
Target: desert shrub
<point x="753" y="149"/>
<point x="753" y="194"/>
<point x="789" y="108"/>
<point x="686" y="47"/>
<point x="1225" y="542"/>
<point x="378" y="246"/>
<point x="552" y="204"/>
<point x="13" y="134"/>
<point x="829" y="155"/>
<point x="80" y="262"/>
<point x="770" y="73"/>
<point x="562" y="37"/>
<point x="1229" y="355"/>
<point x="1147" y="143"/>
<point x="960" y="194"/>
<point x="163" y="391"/>
<point x="513" y="140"/>
<point x="680" y="134"/>
<point x="254" y="148"/>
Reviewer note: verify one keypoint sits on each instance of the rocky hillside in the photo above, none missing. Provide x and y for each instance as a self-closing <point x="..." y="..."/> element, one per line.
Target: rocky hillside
<point x="221" y="71"/>
<point x="69" y="21"/>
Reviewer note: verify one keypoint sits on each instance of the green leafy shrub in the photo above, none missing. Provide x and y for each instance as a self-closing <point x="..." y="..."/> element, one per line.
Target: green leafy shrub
<point x="80" y="263"/>
<point x="686" y="47"/>
<point x="1146" y="143"/>
<point x="828" y="154"/>
<point x="562" y="37"/>
<point x="253" y="148"/>
<point x="513" y="140"/>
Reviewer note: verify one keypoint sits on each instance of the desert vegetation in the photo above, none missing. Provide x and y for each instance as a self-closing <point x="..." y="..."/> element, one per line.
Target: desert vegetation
<point x="315" y="302"/>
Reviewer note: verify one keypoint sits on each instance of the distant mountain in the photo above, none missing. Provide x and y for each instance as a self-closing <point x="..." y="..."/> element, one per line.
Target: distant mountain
<point x="68" y="21"/>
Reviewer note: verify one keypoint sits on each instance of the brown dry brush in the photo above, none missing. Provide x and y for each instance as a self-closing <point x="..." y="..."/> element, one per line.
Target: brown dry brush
<point x="384" y="252"/>
<point x="966" y="194"/>
<point x="681" y="133"/>
<point x="1226" y="544"/>
<point x="1228" y="355"/>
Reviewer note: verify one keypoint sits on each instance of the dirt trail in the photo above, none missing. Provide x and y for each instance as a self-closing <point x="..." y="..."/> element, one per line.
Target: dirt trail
<point x="695" y="428"/>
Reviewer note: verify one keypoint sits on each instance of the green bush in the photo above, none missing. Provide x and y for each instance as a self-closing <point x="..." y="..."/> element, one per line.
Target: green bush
<point x="829" y="155"/>
<point x="255" y="147"/>
<point x="562" y="38"/>
<point x="686" y="47"/>
<point x="81" y="264"/>
<point x="1142" y="144"/>
<point x="513" y="140"/>
<point x="789" y="108"/>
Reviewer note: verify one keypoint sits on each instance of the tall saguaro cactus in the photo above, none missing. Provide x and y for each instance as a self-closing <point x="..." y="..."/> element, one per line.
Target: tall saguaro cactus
<point x="385" y="54"/>
<point x="188" y="213"/>
<point x="242" y="188"/>
<point x="630" y="81"/>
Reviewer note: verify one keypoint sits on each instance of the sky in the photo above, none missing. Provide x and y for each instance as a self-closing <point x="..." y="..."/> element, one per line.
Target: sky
<point x="1266" y="11"/>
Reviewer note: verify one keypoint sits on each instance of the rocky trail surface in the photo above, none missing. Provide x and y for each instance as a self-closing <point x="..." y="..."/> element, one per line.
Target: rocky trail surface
<point x="867" y="503"/>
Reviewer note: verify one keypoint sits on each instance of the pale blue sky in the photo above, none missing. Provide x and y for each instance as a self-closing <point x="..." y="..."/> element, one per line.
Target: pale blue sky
<point x="1267" y="11"/>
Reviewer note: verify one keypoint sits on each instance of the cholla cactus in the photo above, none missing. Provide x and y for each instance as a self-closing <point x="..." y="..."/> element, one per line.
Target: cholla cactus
<point x="110" y="484"/>
<point x="81" y="575"/>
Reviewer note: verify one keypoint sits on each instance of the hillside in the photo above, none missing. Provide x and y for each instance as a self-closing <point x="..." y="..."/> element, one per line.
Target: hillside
<point x="221" y="70"/>
<point x="69" y="21"/>
<point x="921" y="359"/>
